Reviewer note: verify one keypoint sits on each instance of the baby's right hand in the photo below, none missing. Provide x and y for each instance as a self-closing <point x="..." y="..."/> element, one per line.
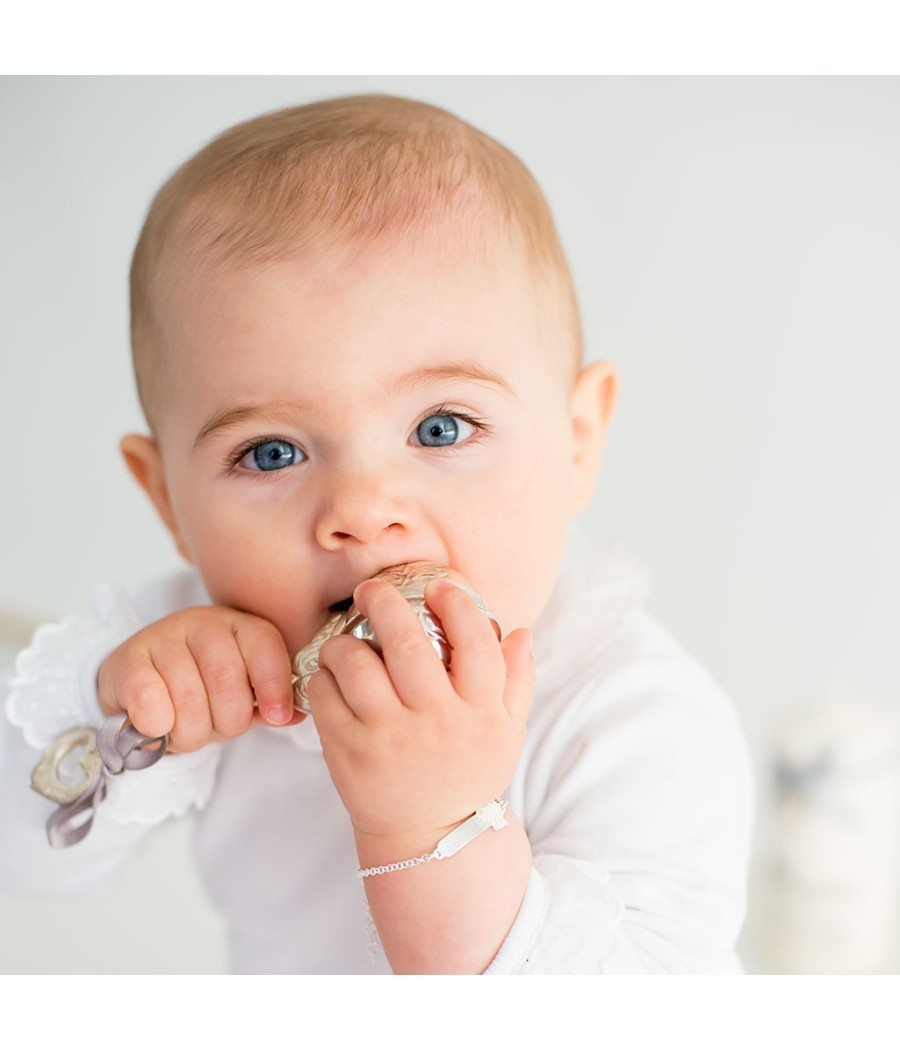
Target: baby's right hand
<point x="198" y="675"/>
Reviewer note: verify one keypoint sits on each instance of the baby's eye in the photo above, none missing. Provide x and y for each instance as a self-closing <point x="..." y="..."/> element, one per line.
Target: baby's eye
<point x="443" y="429"/>
<point x="271" y="455"/>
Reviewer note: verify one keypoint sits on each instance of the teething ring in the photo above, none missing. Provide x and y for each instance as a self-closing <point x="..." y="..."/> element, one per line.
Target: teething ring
<point x="47" y="777"/>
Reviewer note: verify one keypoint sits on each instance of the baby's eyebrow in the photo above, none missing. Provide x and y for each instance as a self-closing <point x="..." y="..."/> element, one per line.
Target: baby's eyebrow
<point x="469" y="370"/>
<point x="232" y="417"/>
<point x="452" y="370"/>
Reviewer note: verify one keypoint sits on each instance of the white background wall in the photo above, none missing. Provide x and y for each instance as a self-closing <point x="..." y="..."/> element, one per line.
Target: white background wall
<point x="736" y="246"/>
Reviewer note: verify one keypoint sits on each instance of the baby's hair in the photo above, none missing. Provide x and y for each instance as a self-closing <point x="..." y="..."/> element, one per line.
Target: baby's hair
<point x="336" y="172"/>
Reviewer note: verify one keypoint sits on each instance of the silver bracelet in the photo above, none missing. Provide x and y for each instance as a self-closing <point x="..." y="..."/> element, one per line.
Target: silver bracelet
<point x="490" y="815"/>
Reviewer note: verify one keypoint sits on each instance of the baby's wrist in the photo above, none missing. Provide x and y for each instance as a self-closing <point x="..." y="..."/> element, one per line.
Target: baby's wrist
<point x="373" y="846"/>
<point x="379" y="846"/>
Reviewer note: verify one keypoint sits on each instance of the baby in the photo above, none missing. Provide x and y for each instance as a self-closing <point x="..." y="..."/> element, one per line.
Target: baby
<point x="357" y="344"/>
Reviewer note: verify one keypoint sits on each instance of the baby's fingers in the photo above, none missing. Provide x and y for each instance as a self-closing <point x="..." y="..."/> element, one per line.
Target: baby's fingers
<point x="197" y="674"/>
<point x="224" y="688"/>
<point x="476" y="664"/>
<point x="268" y="666"/>
<point x="519" y="661"/>
<point x="137" y="688"/>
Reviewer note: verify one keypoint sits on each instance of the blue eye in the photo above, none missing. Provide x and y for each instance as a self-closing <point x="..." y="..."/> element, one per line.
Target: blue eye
<point x="272" y="455"/>
<point x="442" y="429"/>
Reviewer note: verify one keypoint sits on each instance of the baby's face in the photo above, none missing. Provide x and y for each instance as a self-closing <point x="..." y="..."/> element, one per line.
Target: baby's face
<point x="331" y="419"/>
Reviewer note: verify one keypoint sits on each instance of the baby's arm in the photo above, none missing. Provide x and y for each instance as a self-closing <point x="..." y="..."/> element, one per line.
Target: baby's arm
<point x="637" y="803"/>
<point x="413" y="750"/>
<point x="198" y="675"/>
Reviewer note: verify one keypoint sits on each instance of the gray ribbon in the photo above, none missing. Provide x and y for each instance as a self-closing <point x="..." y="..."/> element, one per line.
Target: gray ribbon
<point x="120" y="747"/>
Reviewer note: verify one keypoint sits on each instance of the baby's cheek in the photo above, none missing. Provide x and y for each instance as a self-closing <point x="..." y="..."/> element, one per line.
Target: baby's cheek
<point x="525" y="576"/>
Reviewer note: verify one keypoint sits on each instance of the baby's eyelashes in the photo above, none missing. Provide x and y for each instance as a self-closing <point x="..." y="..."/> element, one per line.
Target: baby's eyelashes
<point x="445" y="427"/>
<point x="266" y="455"/>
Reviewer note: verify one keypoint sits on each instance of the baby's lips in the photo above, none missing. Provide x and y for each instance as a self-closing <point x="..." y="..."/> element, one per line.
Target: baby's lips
<point x="411" y="579"/>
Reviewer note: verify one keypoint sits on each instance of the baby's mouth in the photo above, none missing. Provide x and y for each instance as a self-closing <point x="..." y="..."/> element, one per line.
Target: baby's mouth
<point x="398" y="574"/>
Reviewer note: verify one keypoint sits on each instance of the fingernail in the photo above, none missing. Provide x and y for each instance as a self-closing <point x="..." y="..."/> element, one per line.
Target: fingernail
<point x="279" y="714"/>
<point x="358" y="591"/>
<point x="444" y="583"/>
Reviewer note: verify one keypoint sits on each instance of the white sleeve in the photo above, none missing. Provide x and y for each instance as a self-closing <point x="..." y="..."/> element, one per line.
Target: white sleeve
<point x="639" y="812"/>
<point x="52" y="688"/>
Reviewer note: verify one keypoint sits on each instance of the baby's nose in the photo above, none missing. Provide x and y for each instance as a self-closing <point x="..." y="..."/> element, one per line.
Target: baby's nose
<point x="363" y="508"/>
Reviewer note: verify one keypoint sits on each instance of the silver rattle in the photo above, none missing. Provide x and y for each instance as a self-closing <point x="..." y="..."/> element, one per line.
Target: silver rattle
<point x="411" y="579"/>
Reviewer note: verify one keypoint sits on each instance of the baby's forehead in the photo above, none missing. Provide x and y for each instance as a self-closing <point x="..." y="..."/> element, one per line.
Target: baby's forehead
<point x="361" y="305"/>
<point x="427" y="258"/>
<point x="201" y="297"/>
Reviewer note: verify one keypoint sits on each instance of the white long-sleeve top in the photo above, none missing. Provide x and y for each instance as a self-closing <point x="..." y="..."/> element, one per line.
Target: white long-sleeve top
<point x="634" y="788"/>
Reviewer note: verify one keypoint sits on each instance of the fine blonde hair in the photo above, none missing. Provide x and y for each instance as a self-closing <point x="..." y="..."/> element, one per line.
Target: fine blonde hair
<point x="343" y="170"/>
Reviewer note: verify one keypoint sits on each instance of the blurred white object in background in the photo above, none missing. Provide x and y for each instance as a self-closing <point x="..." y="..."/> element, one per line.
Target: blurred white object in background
<point x="830" y="880"/>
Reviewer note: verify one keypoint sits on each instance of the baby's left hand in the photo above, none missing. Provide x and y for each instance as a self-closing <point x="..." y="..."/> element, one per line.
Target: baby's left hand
<point x="413" y="747"/>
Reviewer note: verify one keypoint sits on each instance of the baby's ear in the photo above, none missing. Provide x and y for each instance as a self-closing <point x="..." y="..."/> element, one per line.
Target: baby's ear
<point x="143" y="459"/>
<point x="593" y="401"/>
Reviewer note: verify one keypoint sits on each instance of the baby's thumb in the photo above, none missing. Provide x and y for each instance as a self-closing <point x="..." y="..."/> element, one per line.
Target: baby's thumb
<point x="519" y="661"/>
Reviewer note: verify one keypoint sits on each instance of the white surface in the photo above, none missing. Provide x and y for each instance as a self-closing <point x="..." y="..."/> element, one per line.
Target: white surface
<point x="736" y="246"/>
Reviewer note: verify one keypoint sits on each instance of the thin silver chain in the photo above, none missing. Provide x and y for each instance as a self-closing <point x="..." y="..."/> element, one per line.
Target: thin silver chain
<point x="399" y="865"/>
<point x="490" y="815"/>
